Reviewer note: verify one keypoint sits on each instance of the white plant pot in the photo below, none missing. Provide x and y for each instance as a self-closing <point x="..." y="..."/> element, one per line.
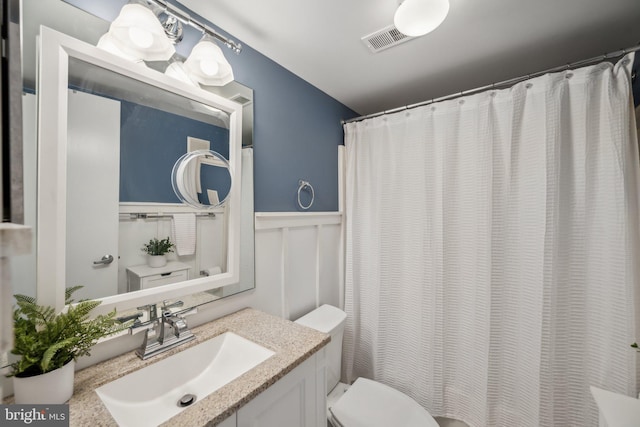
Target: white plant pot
<point x="50" y="388"/>
<point x="157" y="260"/>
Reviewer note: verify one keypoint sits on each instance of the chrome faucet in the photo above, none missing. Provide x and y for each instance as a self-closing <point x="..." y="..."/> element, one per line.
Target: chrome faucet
<point x="165" y="332"/>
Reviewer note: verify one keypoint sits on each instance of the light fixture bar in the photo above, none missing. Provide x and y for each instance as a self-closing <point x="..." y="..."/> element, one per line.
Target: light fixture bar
<point x="187" y="20"/>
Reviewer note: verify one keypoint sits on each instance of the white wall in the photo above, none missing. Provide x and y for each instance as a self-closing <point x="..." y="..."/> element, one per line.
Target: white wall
<point x="298" y="266"/>
<point x="298" y="256"/>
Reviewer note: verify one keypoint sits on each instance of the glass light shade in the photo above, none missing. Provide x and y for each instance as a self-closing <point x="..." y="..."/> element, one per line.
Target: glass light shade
<point x="207" y="65"/>
<point x="416" y="18"/>
<point x="178" y="71"/>
<point x="106" y="43"/>
<point x="137" y="32"/>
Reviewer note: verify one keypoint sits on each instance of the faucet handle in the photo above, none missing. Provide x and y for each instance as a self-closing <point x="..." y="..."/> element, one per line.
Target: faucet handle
<point x="152" y="312"/>
<point x="179" y="324"/>
<point x="178" y="321"/>
<point x="135" y="317"/>
<point x="150" y="327"/>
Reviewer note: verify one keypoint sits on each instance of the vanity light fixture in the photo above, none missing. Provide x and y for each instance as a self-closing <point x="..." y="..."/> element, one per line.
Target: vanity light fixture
<point x="137" y="32"/>
<point x="147" y="30"/>
<point x="416" y="18"/>
<point x="177" y="70"/>
<point x="172" y="28"/>
<point x="207" y="65"/>
<point x="106" y="43"/>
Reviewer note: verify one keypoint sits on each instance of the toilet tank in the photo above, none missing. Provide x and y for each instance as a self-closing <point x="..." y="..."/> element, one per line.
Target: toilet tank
<point x="330" y="320"/>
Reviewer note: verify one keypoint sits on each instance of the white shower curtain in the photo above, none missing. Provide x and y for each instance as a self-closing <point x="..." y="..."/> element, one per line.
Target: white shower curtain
<point x="492" y="244"/>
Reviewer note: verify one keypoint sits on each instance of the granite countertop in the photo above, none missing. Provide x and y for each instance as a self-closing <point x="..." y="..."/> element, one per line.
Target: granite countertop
<point x="292" y="344"/>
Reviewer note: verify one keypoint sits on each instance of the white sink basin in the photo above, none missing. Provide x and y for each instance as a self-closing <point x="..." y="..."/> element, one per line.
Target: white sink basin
<point x="150" y="396"/>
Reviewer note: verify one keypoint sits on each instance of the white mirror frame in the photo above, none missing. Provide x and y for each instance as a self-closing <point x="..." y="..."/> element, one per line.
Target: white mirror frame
<point x="56" y="50"/>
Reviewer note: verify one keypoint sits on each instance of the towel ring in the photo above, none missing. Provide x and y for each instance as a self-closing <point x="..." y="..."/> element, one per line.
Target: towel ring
<point x="301" y="186"/>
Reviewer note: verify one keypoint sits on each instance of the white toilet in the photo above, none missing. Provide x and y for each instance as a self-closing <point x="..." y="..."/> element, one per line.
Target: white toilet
<point x="366" y="403"/>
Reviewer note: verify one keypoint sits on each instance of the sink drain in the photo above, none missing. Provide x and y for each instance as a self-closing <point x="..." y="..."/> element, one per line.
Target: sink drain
<point x="186" y="400"/>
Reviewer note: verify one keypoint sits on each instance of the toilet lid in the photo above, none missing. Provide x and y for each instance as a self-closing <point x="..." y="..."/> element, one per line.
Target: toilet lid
<point x="369" y="403"/>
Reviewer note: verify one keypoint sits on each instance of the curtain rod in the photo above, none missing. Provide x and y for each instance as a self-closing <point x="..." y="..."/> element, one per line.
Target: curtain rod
<point x="502" y="84"/>
<point x="188" y="20"/>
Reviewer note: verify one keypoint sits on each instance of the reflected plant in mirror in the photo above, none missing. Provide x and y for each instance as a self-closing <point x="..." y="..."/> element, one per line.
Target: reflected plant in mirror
<point x="157" y="247"/>
<point x="157" y="250"/>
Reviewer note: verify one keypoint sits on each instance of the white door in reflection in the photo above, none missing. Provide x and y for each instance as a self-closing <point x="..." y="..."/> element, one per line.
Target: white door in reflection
<point x="93" y="160"/>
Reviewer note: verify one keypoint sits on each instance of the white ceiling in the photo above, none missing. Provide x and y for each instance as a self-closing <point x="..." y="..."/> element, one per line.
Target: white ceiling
<point x="480" y="42"/>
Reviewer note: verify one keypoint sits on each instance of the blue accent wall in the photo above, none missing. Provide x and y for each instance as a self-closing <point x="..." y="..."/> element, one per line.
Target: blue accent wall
<point x="297" y="127"/>
<point x="297" y="132"/>
<point x="148" y="153"/>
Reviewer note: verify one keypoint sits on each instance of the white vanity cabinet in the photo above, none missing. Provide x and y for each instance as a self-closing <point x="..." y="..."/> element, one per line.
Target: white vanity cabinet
<point x="298" y="399"/>
<point x="145" y="277"/>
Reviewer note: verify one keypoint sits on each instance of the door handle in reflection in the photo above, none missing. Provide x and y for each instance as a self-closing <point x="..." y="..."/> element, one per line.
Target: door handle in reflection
<point x="107" y="259"/>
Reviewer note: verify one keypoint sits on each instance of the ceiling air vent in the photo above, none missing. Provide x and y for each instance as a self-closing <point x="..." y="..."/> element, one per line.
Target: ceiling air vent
<point x="384" y="39"/>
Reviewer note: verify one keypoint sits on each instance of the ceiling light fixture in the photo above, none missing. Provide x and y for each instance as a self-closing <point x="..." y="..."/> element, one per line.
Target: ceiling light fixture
<point x="416" y="18"/>
<point x="207" y="65"/>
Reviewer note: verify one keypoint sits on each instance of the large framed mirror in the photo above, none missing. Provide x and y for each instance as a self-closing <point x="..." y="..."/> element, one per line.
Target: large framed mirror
<point x="109" y="134"/>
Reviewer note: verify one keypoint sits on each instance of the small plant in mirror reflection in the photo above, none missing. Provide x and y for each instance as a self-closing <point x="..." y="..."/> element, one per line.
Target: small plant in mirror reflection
<point x="158" y="247"/>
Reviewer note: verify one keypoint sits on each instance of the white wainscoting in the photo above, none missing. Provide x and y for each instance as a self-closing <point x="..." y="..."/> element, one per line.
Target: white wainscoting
<point x="299" y="256"/>
<point x="298" y="266"/>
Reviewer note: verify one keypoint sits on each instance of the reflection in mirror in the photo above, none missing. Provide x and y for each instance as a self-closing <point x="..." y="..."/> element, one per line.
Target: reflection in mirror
<point x="124" y="134"/>
<point x="202" y="179"/>
<point x="123" y="137"/>
<point x="247" y="268"/>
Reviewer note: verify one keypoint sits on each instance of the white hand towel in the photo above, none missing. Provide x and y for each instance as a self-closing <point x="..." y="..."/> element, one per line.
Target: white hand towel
<point x="184" y="233"/>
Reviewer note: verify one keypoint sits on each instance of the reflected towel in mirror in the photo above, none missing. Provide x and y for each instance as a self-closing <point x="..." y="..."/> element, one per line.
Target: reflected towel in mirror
<point x="183" y="226"/>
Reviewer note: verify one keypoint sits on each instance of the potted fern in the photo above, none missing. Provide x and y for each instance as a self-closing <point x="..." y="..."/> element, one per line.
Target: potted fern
<point x="50" y="343"/>
<point x="157" y="251"/>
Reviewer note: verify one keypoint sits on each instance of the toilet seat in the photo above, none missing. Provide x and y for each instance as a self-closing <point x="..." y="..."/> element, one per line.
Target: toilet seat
<point x="369" y="403"/>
